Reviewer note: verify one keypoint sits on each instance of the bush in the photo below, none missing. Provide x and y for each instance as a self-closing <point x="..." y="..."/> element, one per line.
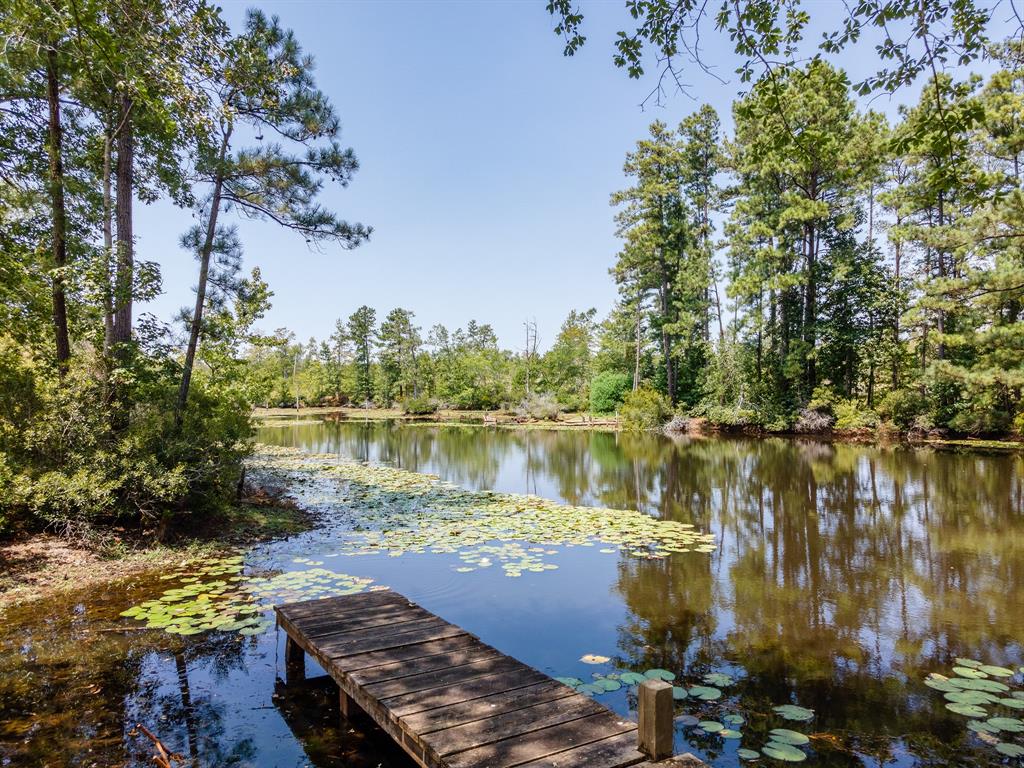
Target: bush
<point x="420" y="406"/>
<point x="727" y="415"/>
<point x="852" y="415"/>
<point x="679" y="425"/>
<point x="541" y="407"/>
<point x="608" y="390"/>
<point x="645" y="409"/>
<point x="902" y="407"/>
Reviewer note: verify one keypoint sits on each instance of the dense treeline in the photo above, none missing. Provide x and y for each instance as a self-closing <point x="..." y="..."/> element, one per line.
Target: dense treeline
<point x="818" y="267"/>
<point x="105" y="412"/>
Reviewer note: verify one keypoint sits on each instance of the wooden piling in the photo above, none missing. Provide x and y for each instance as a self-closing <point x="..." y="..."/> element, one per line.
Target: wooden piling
<point x="655" y="734"/>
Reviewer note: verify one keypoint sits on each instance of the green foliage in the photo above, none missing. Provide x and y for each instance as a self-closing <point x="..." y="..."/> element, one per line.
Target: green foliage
<point x="645" y="409"/>
<point x="902" y="407"/>
<point x="419" y="406"/>
<point x="852" y="415"/>
<point x="607" y="391"/>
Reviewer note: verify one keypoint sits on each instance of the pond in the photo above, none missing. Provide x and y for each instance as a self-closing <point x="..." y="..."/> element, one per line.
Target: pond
<point x="833" y="578"/>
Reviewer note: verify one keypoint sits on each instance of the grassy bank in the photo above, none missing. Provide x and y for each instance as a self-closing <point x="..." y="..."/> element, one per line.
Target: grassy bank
<point x="291" y="416"/>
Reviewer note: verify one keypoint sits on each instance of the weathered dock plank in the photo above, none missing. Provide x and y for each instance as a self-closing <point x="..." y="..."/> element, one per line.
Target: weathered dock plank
<point x="450" y="700"/>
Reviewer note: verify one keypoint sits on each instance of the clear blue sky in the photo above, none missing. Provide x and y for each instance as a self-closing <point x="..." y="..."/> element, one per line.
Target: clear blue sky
<point x="486" y="161"/>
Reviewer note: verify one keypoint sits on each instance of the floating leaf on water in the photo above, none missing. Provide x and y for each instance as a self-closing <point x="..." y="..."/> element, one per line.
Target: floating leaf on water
<point x="971" y="697"/>
<point x="992" y="686"/>
<point x="593" y="658"/>
<point x="733" y="719"/>
<point x="968" y="710"/>
<point x="793" y="712"/>
<point x="632" y="678"/>
<point x="591" y="688"/>
<point x="995" y="671"/>
<point x="787" y="736"/>
<point x="1010" y="750"/>
<point x="572" y="682"/>
<point x="939" y="682"/>
<point x="969" y="663"/>
<point x="687" y="720"/>
<point x="747" y="754"/>
<point x="679" y="693"/>
<point x="711" y="726"/>
<point x="969" y="672"/>
<point x="730" y="733"/>
<point x="659" y="674"/>
<point x="705" y="692"/>
<point x="782" y="751"/>
<point x="1012" y="703"/>
<point x="1011" y="724"/>
<point x="608" y="685"/>
<point x="980" y="726"/>
<point x="718" y="679"/>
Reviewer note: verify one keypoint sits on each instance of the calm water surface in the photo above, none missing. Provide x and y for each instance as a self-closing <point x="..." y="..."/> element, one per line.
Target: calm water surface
<point x="844" y="574"/>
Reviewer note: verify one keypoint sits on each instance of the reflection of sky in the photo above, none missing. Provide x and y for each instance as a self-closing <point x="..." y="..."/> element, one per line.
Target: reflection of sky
<point x="840" y="570"/>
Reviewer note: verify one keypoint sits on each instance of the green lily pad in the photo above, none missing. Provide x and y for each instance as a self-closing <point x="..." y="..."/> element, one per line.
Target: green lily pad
<point x="609" y="685"/>
<point x="968" y="710"/>
<point x="747" y="754"/>
<point x="687" y="720"/>
<point x="939" y="682"/>
<point x="711" y="726"/>
<point x="632" y="678"/>
<point x="572" y="682"/>
<point x="659" y="674"/>
<point x="980" y="726"/>
<point x="733" y="719"/>
<point x="787" y="736"/>
<point x="730" y="733"/>
<point x="1011" y="724"/>
<point x="679" y="693"/>
<point x="1012" y="703"/>
<point x="969" y="672"/>
<point x="591" y="688"/>
<point x="992" y="686"/>
<point x="793" y="712"/>
<point x="705" y="693"/>
<point x="1010" y="750"/>
<point x="718" y="679"/>
<point x="994" y="671"/>
<point x="970" y="663"/>
<point x="786" y="752"/>
<point x="971" y="697"/>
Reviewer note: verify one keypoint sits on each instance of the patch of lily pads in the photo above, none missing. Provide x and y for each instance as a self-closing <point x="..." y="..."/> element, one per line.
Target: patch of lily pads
<point x="215" y="595"/>
<point x="990" y="696"/>
<point x="396" y="511"/>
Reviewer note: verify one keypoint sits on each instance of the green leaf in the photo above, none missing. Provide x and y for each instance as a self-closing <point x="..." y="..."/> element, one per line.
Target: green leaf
<point x="659" y="674"/>
<point x="787" y="736"/>
<point x="711" y="726"/>
<point x="793" y="712"/>
<point x="1010" y="750"/>
<point x="786" y="752"/>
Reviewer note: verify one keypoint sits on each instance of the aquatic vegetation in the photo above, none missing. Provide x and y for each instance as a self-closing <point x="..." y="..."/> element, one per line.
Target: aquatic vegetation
<point x="593" y="658"/>
<point x="973" y="693"/>
<point x="793" y="712"/>
<point x="215" y="594"/>
<point x="396" y="511"/>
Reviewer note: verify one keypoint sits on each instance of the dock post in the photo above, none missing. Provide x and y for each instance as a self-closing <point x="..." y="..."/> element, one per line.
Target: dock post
<point x="294" y="661"/>
<point x="655" y="735"/>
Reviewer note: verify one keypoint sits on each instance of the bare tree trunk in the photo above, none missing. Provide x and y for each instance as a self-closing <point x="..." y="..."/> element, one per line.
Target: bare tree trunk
<point x="108" y="246"/>
<point x="636" y="362"/>
<point x="60" y="246"/>
<point x="204" y="274"/>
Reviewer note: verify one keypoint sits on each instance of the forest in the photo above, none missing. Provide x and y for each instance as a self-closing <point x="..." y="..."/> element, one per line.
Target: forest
<point x="816" y="266"/>
<point x="819" y="267"/>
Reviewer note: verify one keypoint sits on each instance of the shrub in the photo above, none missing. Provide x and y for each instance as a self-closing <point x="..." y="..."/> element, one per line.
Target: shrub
<point x="902" y="407"/>
<point x="420" y="406"/>
<point x="679" y="425"/>
<point x="728" y="415"/>
<point x="644" y="409"/>
<point x="608" y="389"/>
<point x="852" y="415"/>
<point x="541" y="407"/>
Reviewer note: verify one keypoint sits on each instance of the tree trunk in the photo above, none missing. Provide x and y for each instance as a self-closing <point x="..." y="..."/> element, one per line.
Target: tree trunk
<point x="125" y="269"/>
<point x="810" y="310"/>
<point x="108" y="246"/>
<point x="204" y="274"/>
<point x="57" y="210"/>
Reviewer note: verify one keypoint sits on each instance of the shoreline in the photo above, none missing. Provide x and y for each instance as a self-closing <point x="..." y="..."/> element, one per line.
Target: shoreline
<point x="699" y="428"/>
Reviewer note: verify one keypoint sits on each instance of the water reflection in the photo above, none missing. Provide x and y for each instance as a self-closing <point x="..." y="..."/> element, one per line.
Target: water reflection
<point x="845" y="573"/>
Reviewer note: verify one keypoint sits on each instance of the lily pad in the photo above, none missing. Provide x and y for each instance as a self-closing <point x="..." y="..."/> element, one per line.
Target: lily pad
<point x="967" y="710"/>
<point x="730" y="733"/>
<point x="786" y="752"/>
<point x="970" y="663"/>
<point x="592" y="688"/>
<point x="733" y="720"/>
<point x="705" y="693"/>
<point x="1010" y="750"/>
<point x="679" y="693"/>
<point x="572" y="682"/>
<point x="1012" y="703"/>
<point x="747" y="754"/>
<point x="969" y="672"/>
<point x="608" y="684"/>
<point x="687" y="720"/>
<point x="659" y="674"/>
<point x="787" y="736"/>
<point x="718" y="679"/>
<point x="793" y="712"/>
<point x="711" y="726"/>
<point x="1011" y="724"/>
<point x="996" y="671"/>
<point x="939" y="682"/>
<point x="632" y="678"/>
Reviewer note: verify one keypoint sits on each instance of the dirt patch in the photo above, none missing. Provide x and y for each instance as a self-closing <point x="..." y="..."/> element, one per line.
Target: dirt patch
<point x="39" y="564"/>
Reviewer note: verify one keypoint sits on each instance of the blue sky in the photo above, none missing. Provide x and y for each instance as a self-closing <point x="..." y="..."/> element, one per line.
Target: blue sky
<point x="487" y="160"/>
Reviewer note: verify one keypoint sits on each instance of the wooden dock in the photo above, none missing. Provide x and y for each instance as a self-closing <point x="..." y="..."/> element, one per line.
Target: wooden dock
<point x="451" y="701"/>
